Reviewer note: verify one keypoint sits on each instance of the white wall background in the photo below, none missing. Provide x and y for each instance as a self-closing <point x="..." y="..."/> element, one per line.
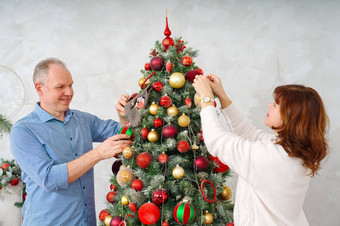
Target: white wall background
<point x="254" y="45"/>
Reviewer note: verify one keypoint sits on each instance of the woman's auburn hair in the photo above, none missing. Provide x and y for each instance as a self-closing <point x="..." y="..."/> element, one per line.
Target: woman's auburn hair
<point x="305" y="121"/>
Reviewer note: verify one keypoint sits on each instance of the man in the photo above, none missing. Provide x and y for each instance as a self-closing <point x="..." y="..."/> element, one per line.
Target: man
<point x="53" y="146"/>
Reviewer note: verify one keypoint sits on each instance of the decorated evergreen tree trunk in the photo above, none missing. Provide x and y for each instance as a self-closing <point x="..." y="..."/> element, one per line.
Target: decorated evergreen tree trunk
<point x="167" y="176"/>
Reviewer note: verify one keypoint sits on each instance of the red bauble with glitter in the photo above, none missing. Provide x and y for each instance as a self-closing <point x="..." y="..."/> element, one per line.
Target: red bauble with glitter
<point x="187" y="60"/>
<point x="201" y="163"/>
<point x="133" y="207"/>
<point x="147" y="67"/>
<point x="167" y="41"/>
<point x="110" y="196"/>
<point x="183" y="146"/>
<point x="169" y="131"/>
<point x="165" y="223"/>
<point x="190" y="75"/>
<point x="158" y="122"/>
<point x="221" y="168"/>
<point x="113" y="187"/>
<point x="103" y="214"/>
<point x="149" y="213"/>
<point x="169" y="66"/>
<point x="163" y="158"/>
<point x="116" y="221"/>
<point x="230" y="224"/>
<point x="157" y="86"/>
<point x="160" y="196"/>
<point x="143" y="160"/>
<point x="137" y="185"/>
<point x="188" y="102"/>
<point x="157" y="63"/>
<point x="165" y="101"/>
<point x="144" y="132"/>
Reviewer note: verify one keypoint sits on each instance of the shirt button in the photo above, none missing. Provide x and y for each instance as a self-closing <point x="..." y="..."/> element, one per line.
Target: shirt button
<point x="85" y="204"/>
<point x="76" y="154"/>
<point x="83" y="187"/>
<point x="70" y="138"/>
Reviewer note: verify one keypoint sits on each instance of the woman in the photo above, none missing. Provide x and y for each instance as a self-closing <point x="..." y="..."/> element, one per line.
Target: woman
<point x="274" y="169"/>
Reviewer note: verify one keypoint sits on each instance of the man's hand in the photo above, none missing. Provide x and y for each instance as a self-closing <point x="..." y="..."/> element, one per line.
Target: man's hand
<point x="112" y="146"/>
<point x="120" y="107"/>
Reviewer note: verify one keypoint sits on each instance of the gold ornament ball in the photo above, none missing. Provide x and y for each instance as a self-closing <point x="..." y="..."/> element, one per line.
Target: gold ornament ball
<point x="226" y="193"/>
<point x="107" y="220"/>
<point x="172" y="111"/>
<point x="183" y="121"/>
<point x="127" y="152"/>
<point x="140" y="82"/>
<point x="177" y="80"/>
<point x="208" y="217"/>
<point x="125" y="200"/>
<point x="153" y="136"/>
<point x="178" y="172"/>
<point x="197" y="100"/>
<point x="153" y="108"/>
<point x="125" y="175"/>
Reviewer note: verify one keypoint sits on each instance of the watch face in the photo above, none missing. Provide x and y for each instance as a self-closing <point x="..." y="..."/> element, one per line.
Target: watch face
<point x="206" y="99"/>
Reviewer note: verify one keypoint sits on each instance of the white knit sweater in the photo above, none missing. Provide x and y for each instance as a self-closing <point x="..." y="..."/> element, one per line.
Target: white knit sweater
<point x="271" y="187"/>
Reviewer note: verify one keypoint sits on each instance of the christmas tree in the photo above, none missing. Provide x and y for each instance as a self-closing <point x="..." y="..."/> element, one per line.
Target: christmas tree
<point x="167" y="176"/>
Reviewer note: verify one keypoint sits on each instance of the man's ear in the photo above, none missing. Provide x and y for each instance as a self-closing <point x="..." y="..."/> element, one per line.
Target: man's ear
<point x="38" y="87"/>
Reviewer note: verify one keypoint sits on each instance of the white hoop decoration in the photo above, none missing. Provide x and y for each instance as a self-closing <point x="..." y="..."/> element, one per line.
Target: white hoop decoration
<point x="2" y="96"/>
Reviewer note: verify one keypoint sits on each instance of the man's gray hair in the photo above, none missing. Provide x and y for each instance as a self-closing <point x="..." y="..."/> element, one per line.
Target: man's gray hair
<point x="41" y="70"/>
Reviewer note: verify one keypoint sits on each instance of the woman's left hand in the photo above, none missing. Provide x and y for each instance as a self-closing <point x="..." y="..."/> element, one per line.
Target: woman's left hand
<point x="202" y="86"/>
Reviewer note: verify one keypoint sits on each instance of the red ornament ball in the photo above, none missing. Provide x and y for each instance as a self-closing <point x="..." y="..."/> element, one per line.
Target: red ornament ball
<point x="157" y="86"/>
<point x="158" y="122"/>
<point x="221" y="168"/>
<point x="165" y="101"/>
<point x="143" y="160"/>
<point x="5" y="165"/>
<point x="160" y="196"/>
<point x="230" y="224"/>
<point x="165" y="223"/>
<point x="137" y="184"/>
<point x="201" y="136"/>
<point x="201" y="163"/>
<point x="14" y="182"/>
<point x="190" y="75"/>
<point x="169" y="131"/>
<point x="113" y="187"/>
<point x="147" y="67"/>
<point x="103" y="214"/>
<point x="149" y="213"/>
<point x="157" y="63"/>
<point x="110" y="196"/>
<point x="167" y="42"/>
<point x="163" y="158"/>
<point x="183" y="146"/>
<point x="187" y="60"/>
<point x="116" y="221"/>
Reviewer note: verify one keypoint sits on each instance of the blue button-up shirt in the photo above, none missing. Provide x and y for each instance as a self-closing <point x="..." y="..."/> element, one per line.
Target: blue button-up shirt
<point x="42" y="145"/>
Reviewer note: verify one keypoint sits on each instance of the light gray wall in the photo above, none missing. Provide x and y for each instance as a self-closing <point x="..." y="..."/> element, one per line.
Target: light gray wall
<point x="253" y="45"/>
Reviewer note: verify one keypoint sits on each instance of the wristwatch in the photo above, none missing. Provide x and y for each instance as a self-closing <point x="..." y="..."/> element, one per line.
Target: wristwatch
<point x="207" y="100"/>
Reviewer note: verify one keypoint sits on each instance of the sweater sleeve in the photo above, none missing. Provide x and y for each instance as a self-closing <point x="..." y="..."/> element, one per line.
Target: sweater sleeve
<point x="241" y="126"/>
<point x="245" y="157"/>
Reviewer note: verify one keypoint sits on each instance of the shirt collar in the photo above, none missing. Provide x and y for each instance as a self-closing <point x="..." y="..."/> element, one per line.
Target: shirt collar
<point x="45" y="116"/>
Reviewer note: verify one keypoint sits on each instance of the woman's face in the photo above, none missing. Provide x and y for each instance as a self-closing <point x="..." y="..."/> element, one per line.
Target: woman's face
<point x="273" y="118"/>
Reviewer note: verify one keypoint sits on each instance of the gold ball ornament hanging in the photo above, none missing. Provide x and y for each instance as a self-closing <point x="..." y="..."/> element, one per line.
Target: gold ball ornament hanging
<point x="183" y="120"/>
<point x="107" y="220"/>
<point x="197" y="100"/>
<point x="177" y="80"/>
<point x="153" y="136"/>
<point x="127" y="152"/>
<point x="140" y="82"/>
<point x="226" y="193"/>
<point x="178" y="172"/>
<point x="153" y="108"/>
<point x="125" y="175"/>
<point x="208" y="217"/>
<point x="124" y="200"/>
<point x="172" y="111"/>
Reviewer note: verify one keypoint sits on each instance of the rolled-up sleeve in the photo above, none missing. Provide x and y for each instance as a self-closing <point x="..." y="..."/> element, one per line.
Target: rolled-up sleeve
<point x="35" y="161"/>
